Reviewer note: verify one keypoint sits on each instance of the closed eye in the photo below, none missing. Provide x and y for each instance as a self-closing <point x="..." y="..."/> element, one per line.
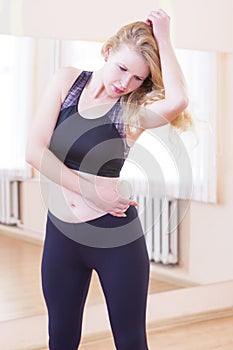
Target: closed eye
<point x="123" y="69"/>
<point x="139" y="79"/>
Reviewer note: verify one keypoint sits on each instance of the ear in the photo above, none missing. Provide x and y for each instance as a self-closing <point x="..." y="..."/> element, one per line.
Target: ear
<point x="107" y="51"/>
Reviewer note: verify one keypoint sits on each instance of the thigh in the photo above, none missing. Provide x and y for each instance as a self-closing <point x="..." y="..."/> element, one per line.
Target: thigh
<point x="125" y="284"/>
<point x="65" y="283"/>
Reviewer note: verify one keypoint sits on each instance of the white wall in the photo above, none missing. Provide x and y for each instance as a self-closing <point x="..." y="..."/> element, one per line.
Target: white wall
<point x="195" y="24"/>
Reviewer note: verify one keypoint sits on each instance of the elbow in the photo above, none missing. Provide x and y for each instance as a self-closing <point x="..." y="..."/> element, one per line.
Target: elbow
<point x="176" y="108"/>
<point x="181" y="105"/>
<point x="185" y="102"/>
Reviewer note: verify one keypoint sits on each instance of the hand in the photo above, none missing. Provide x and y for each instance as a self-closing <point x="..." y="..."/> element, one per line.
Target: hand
<point x="112" y="197"/>
<point x="160" y="23"/>
<point x="113" y="201"/>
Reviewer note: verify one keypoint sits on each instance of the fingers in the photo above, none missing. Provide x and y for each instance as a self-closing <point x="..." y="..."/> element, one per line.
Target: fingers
<point x="148" y="22"/>
<point x="159" y="21"/>
<point x="153" y="15"/>
<point x="124" y="206"/>
<point x="123" y="215"/>
<point x="135" y="204"/>
<point x="159" y="12"/>
<point x="120" y="211"/>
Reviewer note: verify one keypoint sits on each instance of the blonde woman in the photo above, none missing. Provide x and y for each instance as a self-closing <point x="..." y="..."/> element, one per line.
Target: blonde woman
<point x="84" y="128"/>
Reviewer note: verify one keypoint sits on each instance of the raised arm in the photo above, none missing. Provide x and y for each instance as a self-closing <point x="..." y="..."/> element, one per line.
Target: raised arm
<point x="176" y="98"/>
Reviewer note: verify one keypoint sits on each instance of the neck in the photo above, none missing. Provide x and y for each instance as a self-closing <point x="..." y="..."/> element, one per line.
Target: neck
<point x="96" y="87"/>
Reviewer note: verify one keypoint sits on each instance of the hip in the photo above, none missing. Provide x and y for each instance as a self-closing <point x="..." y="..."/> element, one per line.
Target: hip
<point x="106" y="231"/>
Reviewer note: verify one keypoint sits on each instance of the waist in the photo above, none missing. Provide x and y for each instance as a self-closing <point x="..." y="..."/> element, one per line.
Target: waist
<point x="107" y="170"/>
<point x="72" y="207"/>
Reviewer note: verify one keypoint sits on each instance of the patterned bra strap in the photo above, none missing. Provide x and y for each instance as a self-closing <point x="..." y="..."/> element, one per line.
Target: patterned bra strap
<point x="76" y="89"/>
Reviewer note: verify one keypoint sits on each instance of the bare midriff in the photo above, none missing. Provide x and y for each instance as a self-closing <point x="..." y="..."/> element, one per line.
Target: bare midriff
<point x="71" y="207"/>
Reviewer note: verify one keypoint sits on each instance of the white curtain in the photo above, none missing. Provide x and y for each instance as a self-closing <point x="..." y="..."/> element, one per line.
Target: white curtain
<point x="16" y="91"/>
<point x="201" y="69"/>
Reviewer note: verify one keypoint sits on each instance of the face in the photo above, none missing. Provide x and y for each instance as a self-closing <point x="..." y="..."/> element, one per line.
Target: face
<point x="124" y="71"/>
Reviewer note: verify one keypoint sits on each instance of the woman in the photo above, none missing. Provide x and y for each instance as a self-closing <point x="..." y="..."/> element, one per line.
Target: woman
<point x="85" y="126"/>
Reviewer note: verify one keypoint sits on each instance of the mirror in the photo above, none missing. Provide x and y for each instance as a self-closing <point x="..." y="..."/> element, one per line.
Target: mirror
<point x="21" y="294"/>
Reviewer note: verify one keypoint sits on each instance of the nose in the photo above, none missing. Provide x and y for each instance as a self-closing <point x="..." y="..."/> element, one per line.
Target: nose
<point x="125" y="80"/>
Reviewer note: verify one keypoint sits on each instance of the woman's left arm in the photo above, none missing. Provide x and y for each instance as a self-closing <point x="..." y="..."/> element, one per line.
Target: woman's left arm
<point x="176" y="99"/>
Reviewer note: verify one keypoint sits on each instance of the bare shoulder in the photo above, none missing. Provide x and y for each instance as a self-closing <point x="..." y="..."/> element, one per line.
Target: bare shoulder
<point x="65" y="77"/>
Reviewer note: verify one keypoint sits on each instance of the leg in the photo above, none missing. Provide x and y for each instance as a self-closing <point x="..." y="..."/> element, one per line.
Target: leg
<point x="65" y="282"/>
<point x="124" y="278"/>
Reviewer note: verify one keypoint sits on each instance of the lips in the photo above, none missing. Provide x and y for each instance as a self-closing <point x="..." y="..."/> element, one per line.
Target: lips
<point x="117" y="90"/>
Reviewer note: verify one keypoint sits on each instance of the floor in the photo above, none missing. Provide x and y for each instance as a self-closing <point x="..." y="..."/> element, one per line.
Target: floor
<point x="21" y="296"/>
<point x="206" y="335"/>
<point x="20" y="289"/>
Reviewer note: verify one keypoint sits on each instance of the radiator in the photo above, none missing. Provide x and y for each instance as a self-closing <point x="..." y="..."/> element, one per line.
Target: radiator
<point x="9" y="201"/>
<point x="159" y="219"/>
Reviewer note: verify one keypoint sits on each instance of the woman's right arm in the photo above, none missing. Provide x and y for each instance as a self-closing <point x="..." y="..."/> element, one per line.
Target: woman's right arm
<point x="40" y="133"/>
<point x="42" y="159"/>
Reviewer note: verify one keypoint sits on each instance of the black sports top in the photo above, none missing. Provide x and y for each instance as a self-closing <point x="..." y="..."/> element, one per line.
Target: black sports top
<point x="97" y="146"/>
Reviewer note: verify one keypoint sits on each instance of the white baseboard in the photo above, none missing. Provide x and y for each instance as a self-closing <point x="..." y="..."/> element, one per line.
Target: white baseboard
<point x="23" y="233"/>
<point x="165" y="309"/>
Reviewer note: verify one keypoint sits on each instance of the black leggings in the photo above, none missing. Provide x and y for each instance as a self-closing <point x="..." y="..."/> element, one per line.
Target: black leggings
<point x="123" y="270"/>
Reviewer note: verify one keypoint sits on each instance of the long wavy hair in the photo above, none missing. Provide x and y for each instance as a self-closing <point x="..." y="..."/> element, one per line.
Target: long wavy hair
<point x="140" y="36"/>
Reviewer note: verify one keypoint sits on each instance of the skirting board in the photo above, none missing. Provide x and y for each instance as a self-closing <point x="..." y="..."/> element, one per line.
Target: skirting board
<point x="182" y="306"/>
<point x="165" y="324"/>
<point x="25" y="234"/>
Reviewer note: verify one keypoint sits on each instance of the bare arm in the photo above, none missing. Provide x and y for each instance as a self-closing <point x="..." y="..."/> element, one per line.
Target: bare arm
<point x="37" y="152"/>
<point x="176" y="99"/>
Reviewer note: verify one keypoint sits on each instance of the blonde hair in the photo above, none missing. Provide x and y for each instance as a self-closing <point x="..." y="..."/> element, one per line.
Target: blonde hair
<point x="140" y="36"/>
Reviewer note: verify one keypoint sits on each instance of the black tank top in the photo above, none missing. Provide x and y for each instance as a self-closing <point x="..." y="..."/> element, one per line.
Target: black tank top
<point x="96" y="146"/>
